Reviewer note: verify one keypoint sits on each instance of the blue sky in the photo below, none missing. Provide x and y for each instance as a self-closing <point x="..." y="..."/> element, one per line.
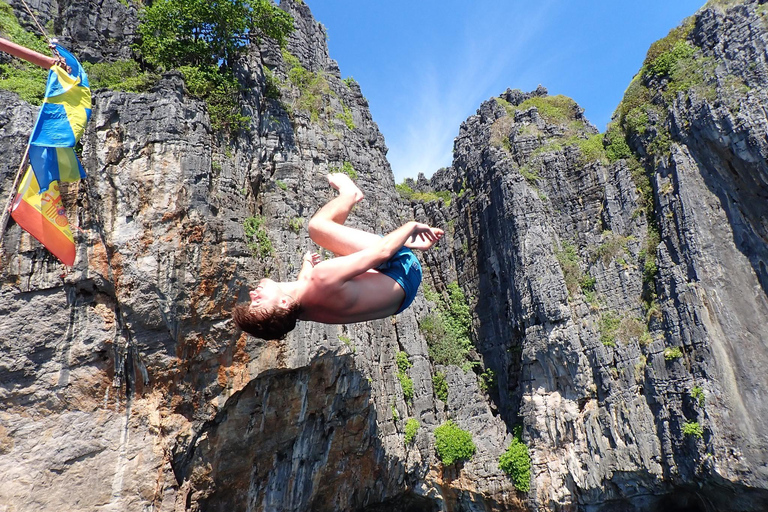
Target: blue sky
<point x="425" y="66"/>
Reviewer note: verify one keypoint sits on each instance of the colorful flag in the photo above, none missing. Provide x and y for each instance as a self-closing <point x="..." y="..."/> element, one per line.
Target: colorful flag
<point x="60" y="124"/>
<point x="43" y="216"/>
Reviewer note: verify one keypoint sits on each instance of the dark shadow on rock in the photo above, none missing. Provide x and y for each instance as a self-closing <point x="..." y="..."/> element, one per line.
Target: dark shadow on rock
<point x="292" y="439"/>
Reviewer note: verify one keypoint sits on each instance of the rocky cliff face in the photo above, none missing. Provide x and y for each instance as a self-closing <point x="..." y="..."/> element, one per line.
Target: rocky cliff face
<point x="618" y="298"/>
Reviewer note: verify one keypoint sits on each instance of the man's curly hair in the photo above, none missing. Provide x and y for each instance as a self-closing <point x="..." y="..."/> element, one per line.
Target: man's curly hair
<point x="268" y="325"/>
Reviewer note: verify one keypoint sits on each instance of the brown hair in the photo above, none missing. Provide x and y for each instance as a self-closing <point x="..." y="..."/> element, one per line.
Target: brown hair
<point x="268" y="325"/>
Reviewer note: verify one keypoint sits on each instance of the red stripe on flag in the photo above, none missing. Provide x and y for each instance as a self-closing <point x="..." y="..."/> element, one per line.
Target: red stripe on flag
<point x="36" y="224"/>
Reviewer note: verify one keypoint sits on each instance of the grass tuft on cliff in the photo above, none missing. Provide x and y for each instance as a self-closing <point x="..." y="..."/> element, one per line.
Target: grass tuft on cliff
<point x="447" y="332"/>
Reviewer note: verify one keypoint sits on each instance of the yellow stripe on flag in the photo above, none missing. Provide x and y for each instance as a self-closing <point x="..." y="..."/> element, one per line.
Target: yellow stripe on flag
<point x="75" y="99"/>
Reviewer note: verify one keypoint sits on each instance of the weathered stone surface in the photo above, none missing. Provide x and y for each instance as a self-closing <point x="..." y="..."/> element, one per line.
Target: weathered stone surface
<point x="125" y="385"/>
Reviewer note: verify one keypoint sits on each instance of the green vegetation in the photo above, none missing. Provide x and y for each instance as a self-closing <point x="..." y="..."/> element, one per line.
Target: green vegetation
<point x="529" y="174"/>
<point x="407" y="192"/>
<point x="346" y="168"/>
<point x="271" y="85"/>
<point x="487" y="380"/>
<point x="672" y="353"/>
<point x="256" y="237"/>
<point x="612" y="246"/>
<point x="609" y="324"/>
<point x="623" y="328"/>
<point x="203" y="40"/>
<point x="516" y="462"/>
<point x="440" y="385"/>
<point x="207" y="34"/>
<point x="395" y="415"/>
<point x="411" y="427"/>
<point x="569" y="261"/>
<point x="283" y="185"/>
<point x="447" y="331"/>
<point x="692" y="428"/>
<point x="295" y="224"/>
<point x="221" y="92"/>
<point x="555" y="109"/>
<point x="346" y="117"/>
<point x="349" y="81"/>
<point x="453" y="444"/>
<point x="697" y="393"/>
<point x="406" y="383"/>
<point x="313" y="88"/>
<point x="616" y="147"/>
<point x="121" y="75"/>
<point x="23" y="78"/>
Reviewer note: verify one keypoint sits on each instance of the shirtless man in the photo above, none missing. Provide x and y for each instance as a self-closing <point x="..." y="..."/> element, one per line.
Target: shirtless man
<point x="372" y="277"/>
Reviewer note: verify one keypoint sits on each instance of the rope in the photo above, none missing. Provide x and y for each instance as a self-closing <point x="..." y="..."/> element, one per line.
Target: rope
<point x="39" y="27"/>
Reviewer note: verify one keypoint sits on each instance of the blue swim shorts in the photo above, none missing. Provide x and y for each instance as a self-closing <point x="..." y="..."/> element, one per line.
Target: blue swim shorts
<point x="405" y="269"/>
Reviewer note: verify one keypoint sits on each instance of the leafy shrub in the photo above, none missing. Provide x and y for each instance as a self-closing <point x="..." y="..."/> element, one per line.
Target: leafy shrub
<point x="121" y="75"/>
<point x="692" y="428"/>
<point x="697" y="393"/>
<point x="313" y="87"/>
<point x="516" y="462"/>
<point x="447" y="332"/>
<point x="453" y="444"/>
<point x="256" y="237"/>
<point x="221" y="92"/>
<point x="672" y="353"/>
<point x="345" y="168"/>
<point x="487" y="379"/>
<point x="411" y="427"/>
<point x="440" y="385"/>
<point x="406" y="383"/>
<point x="616" y="147"/>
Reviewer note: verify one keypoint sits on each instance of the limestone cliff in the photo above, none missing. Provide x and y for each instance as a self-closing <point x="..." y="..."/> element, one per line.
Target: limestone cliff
<point x="617" y="296"/>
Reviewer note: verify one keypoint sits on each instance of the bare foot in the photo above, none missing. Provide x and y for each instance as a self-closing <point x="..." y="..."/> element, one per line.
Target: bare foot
<point x="345" y="185"/>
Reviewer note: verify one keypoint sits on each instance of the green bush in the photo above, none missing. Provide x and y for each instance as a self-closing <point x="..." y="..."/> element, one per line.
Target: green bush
<point x="692" y="428"/>
<point x="447" y="332"/>
<point x="672" y="353"/>
<point x="697" y="393"/>
<point x="453" y="444"/>
<point x="616" y="147"/>
<point x="487" y="380"/>
<point x="345" y="168"/>
<point x="406" y="383"/>
<point x="256" y="237"/>
<point x="440" y="385"/>
<point x="411" y="427"/>
<point x="313" y="87"/>
<point x="121" y="75"/>
<point x="221" y="92"/>
<point x="516" y="462"/>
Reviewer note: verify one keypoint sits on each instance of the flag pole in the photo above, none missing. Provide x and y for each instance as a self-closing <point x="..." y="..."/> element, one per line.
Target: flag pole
<point x="26" y="54"/>
<point x="12" y="195"/>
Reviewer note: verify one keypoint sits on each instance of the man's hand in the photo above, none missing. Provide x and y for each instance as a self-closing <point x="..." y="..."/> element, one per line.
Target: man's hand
<point x="423" y="236"/>
<point x="312" y="258"/>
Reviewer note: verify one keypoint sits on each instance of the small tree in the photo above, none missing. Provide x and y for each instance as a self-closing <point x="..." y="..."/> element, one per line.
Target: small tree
<point x="453" y="444"/>
<point x="207" y="32"/>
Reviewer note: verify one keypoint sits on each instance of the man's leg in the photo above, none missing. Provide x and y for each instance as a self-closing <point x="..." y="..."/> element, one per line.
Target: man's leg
<point x="326" y="227"/>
